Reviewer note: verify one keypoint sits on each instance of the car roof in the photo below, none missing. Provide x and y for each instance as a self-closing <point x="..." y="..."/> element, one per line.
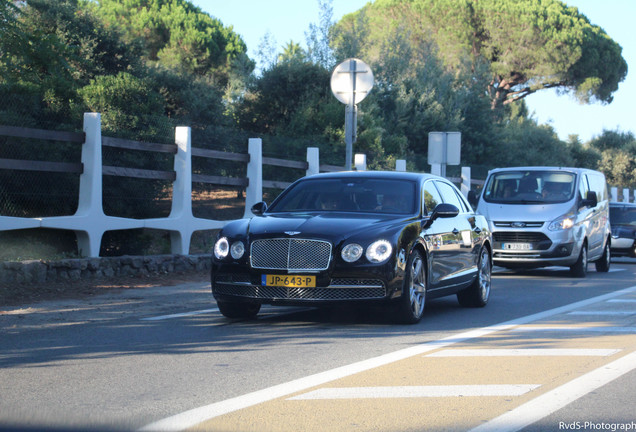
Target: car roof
<point x="394" y="175"/>
<point x="622" y="204"/>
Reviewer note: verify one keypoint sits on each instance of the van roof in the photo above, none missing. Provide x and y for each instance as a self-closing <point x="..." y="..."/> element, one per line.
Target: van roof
<point x="546" y="168"/>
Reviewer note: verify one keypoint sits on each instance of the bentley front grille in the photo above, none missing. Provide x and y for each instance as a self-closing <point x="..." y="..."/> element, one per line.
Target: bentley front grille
<point x="291" y="254"/>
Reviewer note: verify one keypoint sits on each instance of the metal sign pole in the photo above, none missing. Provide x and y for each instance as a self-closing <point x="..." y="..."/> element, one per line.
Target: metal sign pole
<point x="351" y="81"/>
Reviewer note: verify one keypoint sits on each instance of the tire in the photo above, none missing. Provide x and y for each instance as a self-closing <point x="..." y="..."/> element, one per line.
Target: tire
<point x="478" y="293"/>
<point x="603" y="263"/>
<point x="410" y="308"/>
<point x="579" y="269"/>
<point x="244" y="310"/>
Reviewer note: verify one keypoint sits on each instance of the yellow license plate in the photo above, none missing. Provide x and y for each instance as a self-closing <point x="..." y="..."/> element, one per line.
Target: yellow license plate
<point x="289" y="281"/>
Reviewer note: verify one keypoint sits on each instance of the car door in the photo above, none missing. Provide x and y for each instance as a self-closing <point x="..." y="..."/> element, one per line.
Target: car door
<point x="443" y="238"/>
<point x="463" y="254"/>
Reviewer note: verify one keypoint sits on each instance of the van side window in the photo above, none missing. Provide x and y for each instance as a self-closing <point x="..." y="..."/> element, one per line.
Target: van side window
<point x="583" y="187"/>
<point x="597" y="184"/>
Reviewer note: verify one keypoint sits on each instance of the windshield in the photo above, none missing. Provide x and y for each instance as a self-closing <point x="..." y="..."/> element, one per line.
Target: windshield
<point x="530" y="187"/>
<point x="368" y="195"/>
<point x="623" y="216"/>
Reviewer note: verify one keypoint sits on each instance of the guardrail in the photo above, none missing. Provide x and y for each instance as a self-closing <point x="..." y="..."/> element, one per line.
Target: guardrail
<point x="89" y="222"/>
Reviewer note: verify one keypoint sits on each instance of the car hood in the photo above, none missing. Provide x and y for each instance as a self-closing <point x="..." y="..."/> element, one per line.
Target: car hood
<point x="524" y="212"/>
<point x="332" y="226"/>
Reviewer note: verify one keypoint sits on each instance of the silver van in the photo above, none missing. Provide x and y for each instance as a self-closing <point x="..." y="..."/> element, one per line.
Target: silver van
<point x="544" y="216"/>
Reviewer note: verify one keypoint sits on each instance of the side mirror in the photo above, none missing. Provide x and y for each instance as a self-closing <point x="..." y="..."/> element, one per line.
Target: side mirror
<point x="443" y="210"/>
<point x="473" y="198"/>
<point x="259" y="208"/>
<point x="590" y="200"/>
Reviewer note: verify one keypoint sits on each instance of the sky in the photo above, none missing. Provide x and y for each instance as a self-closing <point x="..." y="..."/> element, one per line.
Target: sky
<point x="286" y="20"/>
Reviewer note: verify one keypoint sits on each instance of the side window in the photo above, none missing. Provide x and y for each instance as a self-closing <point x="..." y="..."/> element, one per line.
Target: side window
<point x="583" y="187"/>
<point x="431" y="197"/>
<point x="450" y="196"/>
<point x="597" y="184"/>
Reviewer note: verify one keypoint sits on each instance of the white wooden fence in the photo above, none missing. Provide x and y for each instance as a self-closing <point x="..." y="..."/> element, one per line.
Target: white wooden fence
<point x="90" y="223"/>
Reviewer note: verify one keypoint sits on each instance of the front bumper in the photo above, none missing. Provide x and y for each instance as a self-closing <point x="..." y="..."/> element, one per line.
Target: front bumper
<point x="534" y="249"/>
<point x="231" y="284"/>
<point x="623" y="247"/>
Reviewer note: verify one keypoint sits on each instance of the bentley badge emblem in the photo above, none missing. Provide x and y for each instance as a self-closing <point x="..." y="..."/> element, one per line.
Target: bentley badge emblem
<point x="292" y="233"/>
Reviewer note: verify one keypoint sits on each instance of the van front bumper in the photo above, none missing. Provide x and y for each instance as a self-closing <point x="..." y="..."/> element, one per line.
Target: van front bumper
<point x="564" y="254"/>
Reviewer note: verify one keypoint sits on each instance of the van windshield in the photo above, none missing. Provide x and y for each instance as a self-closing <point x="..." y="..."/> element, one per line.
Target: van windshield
<point x="530" y="187"/>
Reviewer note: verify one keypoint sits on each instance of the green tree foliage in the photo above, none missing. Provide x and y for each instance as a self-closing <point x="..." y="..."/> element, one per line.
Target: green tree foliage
<point x="527" y="45"/>
<point x="293" y="98"/>
<point x="618" y="157"/>
<point x="178" y="35"/>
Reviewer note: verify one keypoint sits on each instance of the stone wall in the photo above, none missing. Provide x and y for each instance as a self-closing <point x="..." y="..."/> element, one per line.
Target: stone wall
<point x="72" y="270"/>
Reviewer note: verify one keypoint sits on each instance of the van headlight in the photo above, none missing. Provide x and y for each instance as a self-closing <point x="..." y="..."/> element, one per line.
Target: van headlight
<point x="563" y="223"/>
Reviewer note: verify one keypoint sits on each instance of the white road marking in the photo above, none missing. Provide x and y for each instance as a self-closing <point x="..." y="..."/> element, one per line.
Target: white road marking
<point x="523" y="352"/>
<point x="198" y="415"/>
<point x="603" y="312"/>
<point x="548" y="403"/>
<point x="179" y="315"/>
<point x="598" y="329"/>
<point x="417" y="391"/>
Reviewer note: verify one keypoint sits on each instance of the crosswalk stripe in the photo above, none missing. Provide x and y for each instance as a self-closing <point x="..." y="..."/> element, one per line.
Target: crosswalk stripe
<point x="523" y="352"/>
<point x="417" y="391"/>
<point x="598" y="329"/>
<point x="550" y="402"/>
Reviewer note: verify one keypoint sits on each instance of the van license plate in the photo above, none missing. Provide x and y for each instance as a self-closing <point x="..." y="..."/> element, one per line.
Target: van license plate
<point x="517" y="246"/>
<point x="289" y="281"/>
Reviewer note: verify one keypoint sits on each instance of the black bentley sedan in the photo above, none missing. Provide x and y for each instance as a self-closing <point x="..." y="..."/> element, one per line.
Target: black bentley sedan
<point x="386" y="237"/>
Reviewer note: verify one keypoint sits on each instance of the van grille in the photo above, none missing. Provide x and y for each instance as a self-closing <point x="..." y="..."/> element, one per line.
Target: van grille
<point x="520" y="237"/>
<point x="503" y="224"/>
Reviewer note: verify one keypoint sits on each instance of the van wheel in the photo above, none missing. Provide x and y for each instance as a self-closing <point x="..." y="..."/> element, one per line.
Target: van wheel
<point x="603" y="263"/>
<point x="579" y="269"/>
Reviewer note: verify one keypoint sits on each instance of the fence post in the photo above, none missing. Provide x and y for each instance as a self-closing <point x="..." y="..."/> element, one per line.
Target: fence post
<point x="614" y="193"/>
<point x="89" y="222"/>
<point x="182" y="191"/>
<point x="465" y="181"/>
<point x="313" y="161"/>
<point x="400" y="165"/>
<point x="625" y="195"/>
<point x="254" y="190"/>
<point x="360" y="162"/>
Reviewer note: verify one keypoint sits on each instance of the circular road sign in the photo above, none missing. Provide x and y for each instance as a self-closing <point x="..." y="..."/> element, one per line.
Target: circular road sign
<point x="351" y="81"/>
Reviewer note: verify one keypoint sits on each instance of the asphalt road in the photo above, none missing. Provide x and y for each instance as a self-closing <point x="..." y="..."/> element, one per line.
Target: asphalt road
<point x="164" y="358"/>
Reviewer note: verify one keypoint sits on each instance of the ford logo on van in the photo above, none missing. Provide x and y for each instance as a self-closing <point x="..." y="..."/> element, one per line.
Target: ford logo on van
<point x="518" y="224"/>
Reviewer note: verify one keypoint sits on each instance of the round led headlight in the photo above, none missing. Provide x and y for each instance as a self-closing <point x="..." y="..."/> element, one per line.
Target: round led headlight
<point x="379" y="251"/>
<point x="221" y="248"/>
<point x="352" y="252"/>
<point x="237" y="250"/>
